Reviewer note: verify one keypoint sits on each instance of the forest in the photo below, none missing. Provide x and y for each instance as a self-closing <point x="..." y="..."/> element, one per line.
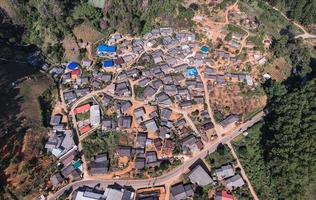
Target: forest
<point x="303" y="11"/>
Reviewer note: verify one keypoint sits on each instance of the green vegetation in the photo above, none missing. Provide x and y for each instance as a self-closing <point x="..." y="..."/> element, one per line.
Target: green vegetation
<point x="224" y="3"/>
<point x="138" y="90"/>
<point x="295" y="52"/>
<point x="220" y="157"/>
<point x="47" y="100"/>
<point x="251" y="157"/>
<point x="99" y="142"/>
<point x="82" y="116"/>
<point x="235" y="29"/>
<point x="218" y="116"/>
<point x="201" y="193"/>
<point x="303" y="11"/>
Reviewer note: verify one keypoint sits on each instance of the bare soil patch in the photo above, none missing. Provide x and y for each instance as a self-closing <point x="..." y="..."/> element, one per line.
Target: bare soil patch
<point x="279" y="69"/>
<point x="71" y="49"/>
<point x="232" y="99"/>
<point x="87" y="33"/>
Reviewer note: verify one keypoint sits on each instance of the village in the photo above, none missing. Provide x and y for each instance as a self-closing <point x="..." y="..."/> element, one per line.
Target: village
<point x="137" y="108"/>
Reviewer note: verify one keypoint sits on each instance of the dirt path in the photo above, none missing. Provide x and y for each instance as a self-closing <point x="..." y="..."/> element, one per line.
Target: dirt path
<point x="242" y="171"/>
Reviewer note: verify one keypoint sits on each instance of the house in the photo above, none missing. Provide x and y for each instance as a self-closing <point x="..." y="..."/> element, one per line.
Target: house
<point x="139" y="113"/>
<point x="67" y="170"/>
<point x="148" y="195"/>
<point x="207" y="126"/>
<point x="156" y="83"/>
<point x="163" y="132"/>
<point x="181" y="191"/>
<point x="151" y="156"/>
<point x="168" y="146"/>
<point x="122" y="88"/>
<point x="55" y="120"/>
<point x="231" y="119"/>
<point x="86" y="63"/>
<point x="60" y="142"/>
<point x="191" y="143"/>
<point x="185" y="104"/>
<point x="108" y="124"/>
<point x="234" y="182"/>
<point x="82" y="109"/>
<point x="117" y="192"/>
<point x="140" y="163"/>
<point x="103" y="49"/>
<point x="75" y="73"/>
<point x="223" y="195"/>
<point x="72" y="65"/>
<point x="96" y="84"/>
<point x="180" y="123"/>
<point x="100" y="164"/>
<point x="82" y="91"/>
<point x="141" y="139"/>
<point x="225" y="171"/>
<point x="106" y="77"/>
<point x="200" y="176"/>
<point x="106" y="99"/>
<point x="87" y="193"/>
<point x="148" y="92"/>
<point x="180" y="68"/>
<point x="170" y="89"/>
<point x="119" y="61"/>
<point x="124" y="151"/>
<point x="56" y="179"/>
<point x="69" y="157"/>
<point x="95" y="116"/>
<point x="125" y="105"/>
<point x="150" y="125"/>
<point x="125" y="122"/>
<point x="143" y="82"/>
<point x="158" y="143"/>
<point x="165" y="113"/>
<point x="70" y="96"/>
<point x="85" y="129"/>
<point x="107" y="63"/>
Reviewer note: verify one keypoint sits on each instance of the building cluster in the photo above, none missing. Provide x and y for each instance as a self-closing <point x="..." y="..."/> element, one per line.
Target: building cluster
<point x="199" y="175"/>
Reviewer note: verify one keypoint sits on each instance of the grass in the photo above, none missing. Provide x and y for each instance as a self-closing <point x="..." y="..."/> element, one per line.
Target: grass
<point x="251" y="114"/>
<point x="235" y="29"/>
<point x="251" y="158"/>
<point x="220" y="157"/>
<point x="82" y="116"/>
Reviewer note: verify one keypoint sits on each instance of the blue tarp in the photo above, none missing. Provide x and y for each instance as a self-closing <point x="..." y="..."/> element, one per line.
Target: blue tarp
<point x="204" y="49"/>
<point x="192" y="71"/>
<point x="102" y="48"/>
<point x="72" y="65"/>
<point x="107" y="63"/>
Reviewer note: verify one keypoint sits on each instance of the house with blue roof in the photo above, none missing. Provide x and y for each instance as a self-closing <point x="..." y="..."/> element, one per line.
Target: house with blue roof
<point x="108" y="63"/>
<point x="103" y="49"/>
<point x="191" y="72"/>
<point x="204" y="49"/>
<point x="72" y="65"/>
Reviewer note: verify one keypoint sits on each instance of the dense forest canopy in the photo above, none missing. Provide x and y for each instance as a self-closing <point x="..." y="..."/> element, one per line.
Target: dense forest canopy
<point x="303" y="11"/>
<point x="288" y="141"/>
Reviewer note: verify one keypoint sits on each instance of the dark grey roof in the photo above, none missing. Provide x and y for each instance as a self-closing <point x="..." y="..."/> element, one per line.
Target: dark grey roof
<point x="66" y="171"/>
<point x="185" y="103"/>
<point x="163" y="98"/>
<point x="156" y="83"/>
<point x="170" y="89"/>
<point x="143" y="82"/>
<point x="139" y="112"/>
<point x="180" y="123"/>
<point x="124" y="151"/>
<point x="125" y="121"/>
<point x="224" y="172"/>
<point x="199" y="176"/>
<point x="56" y="179"/>
<point x="82" y="91"/>
<point x="139" y="163"/>
<point x="55" y="120"/>
<point x="181" y="192"/>
<point x="234" y="182"/>
<point x="70" y="96"/>
<point x="107" y="99"/>
<point x="100" y="167"/>
<point x="229" y="120"/>
<point x="150" y="125"/>
<point x="125" y="105"/>
<point x="149" y="91"/>
<point x="165" y="113"/>
<point x="151" y="156"/>
<point x="163" y="131"/>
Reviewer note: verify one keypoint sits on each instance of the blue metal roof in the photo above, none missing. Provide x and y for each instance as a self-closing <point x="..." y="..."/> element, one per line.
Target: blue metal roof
<point x="106" y="48"/>
<point x="204" y="49"/>
<point x="72" y="65"/>
<point x="192" y="71"/>
<point x="107" y="63"/>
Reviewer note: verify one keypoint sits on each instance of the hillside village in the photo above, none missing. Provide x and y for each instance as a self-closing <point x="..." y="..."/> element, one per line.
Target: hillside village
<point x="136" y="108"/>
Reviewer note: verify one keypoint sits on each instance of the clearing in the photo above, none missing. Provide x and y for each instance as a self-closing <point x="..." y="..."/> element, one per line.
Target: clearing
<point x="87" y="33"/>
